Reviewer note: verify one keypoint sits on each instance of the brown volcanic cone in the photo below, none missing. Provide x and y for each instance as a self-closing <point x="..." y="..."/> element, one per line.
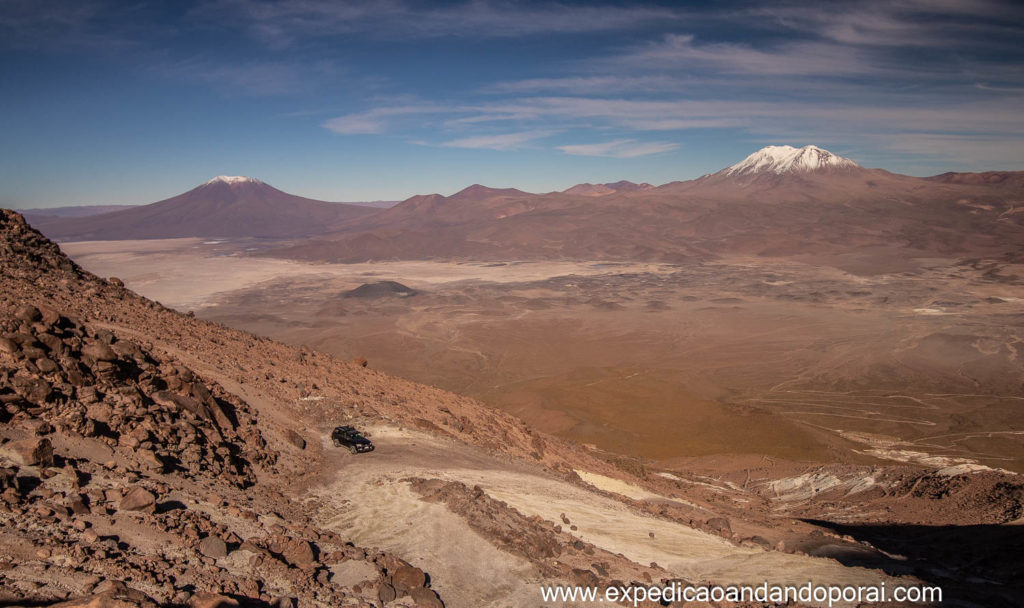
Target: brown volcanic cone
<point x="222" y="207"/>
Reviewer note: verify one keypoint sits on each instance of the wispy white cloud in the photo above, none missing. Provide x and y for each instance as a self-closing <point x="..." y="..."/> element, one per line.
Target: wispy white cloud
<point x="907" y="23"/>
<point x="990" y="151"/>
<point x="620" y="148"/>
<point x="258" y="78"/>
<point x="863" y="71"/>
<point x="377" y="120"/>
<point x="77" y="25"/>
<point x="803" y="120"/>
<point x="281" y="22"/>
<point x="680" y="51"/>
<point x="588" y="85"/>
<point x="504" y="141"/>
<point x="547" y="114"/>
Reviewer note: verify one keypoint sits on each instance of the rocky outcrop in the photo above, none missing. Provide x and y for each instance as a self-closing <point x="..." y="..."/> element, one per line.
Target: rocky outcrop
<point x="86" y="382"/>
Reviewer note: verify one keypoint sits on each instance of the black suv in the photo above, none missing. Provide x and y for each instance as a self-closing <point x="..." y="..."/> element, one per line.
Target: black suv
<point x="352" y="439"/>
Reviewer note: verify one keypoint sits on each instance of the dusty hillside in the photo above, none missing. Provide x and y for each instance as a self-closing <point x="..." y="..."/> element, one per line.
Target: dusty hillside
<point x="133" y="454"/>
<point x="129" y="474"/>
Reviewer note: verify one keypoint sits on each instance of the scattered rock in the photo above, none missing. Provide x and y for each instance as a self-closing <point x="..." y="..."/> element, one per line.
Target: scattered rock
<point x="299" y="553"/>
<point x="36" y="451"/>
<point x="138" y="499"/>
<point x="407" y="578"/>
<point x="386" y="593"/>
<point x="37" y="426"/>
<point x="426" y="598"/>
<point x="211" y="600"/>
<point x="8" y="478"/>
<point x="117" y="597"/>
<point x="150" y="459"/>
<point x="8" y="346"/>
<point x="213" y="546"/>
<point x="719" y="524"/>
<point x="99" y="352"/>
<point x="295" y="439"/>
<point x="28" y="314"/>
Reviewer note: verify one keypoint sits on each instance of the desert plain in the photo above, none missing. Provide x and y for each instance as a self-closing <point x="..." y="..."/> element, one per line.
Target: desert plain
<point x="869" y="358"/>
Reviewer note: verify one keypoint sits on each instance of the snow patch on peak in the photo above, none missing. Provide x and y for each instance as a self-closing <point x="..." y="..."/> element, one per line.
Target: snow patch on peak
<point x="787" y="159"/>
<point x="234" y="179"/>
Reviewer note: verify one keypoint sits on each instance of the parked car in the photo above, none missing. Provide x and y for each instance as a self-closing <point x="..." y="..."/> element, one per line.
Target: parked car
<point x="349" y="437"/>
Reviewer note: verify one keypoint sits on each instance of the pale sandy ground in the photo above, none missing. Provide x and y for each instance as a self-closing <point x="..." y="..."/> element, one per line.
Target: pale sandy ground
<point x="185" y="274"/>
<point x="369" y="502"/>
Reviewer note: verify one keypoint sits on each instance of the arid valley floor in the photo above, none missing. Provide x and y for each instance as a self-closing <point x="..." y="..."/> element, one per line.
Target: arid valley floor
<point x="850" y="360"/>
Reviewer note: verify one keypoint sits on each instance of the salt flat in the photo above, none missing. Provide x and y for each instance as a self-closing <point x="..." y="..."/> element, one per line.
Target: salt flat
<point x="190" y="273"/>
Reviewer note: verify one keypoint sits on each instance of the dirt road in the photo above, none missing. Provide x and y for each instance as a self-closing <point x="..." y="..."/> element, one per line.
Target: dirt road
<point x="368" y="501"/>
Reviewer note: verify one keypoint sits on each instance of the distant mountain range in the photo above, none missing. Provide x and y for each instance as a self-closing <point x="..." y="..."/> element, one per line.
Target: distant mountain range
<point x="51" y="213"/>
<point x="606" y="189"/>
<point x="779" y="201"/>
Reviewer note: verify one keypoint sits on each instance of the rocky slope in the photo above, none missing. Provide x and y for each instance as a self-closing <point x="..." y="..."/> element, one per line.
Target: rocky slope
<point x="127" y="475"/>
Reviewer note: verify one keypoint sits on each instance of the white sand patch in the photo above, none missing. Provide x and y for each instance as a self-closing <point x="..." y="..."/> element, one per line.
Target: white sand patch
<point x="683" y="551"/>
<point x="963" y="469"/>
<point x="890" y="448"/>
<point x="616" y="486"/>
<point x="464" y="567"/>
<point x="808" y="485"/>
<point x="914" y="457"/>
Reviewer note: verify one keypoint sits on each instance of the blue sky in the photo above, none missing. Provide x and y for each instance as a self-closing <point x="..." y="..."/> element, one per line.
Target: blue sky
<point x="130" y="102"/>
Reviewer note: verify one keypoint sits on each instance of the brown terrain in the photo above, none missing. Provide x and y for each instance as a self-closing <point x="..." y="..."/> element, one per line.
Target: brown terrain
<point x="850" y="212"/>
<point x="805" y="375"/>
<point x="606" y="189"/>
<point x="151" y="458"/>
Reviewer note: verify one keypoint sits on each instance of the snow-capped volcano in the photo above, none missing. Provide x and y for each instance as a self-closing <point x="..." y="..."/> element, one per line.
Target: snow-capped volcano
<point x="787" y="159"/>
<point x="234" y="179"/>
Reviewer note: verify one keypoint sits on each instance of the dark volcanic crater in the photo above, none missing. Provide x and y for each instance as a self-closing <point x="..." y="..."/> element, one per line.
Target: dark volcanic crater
<point x="380" y="289"/>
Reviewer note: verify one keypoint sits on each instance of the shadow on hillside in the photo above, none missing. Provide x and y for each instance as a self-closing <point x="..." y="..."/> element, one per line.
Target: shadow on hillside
<point x="979" y="565"/>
